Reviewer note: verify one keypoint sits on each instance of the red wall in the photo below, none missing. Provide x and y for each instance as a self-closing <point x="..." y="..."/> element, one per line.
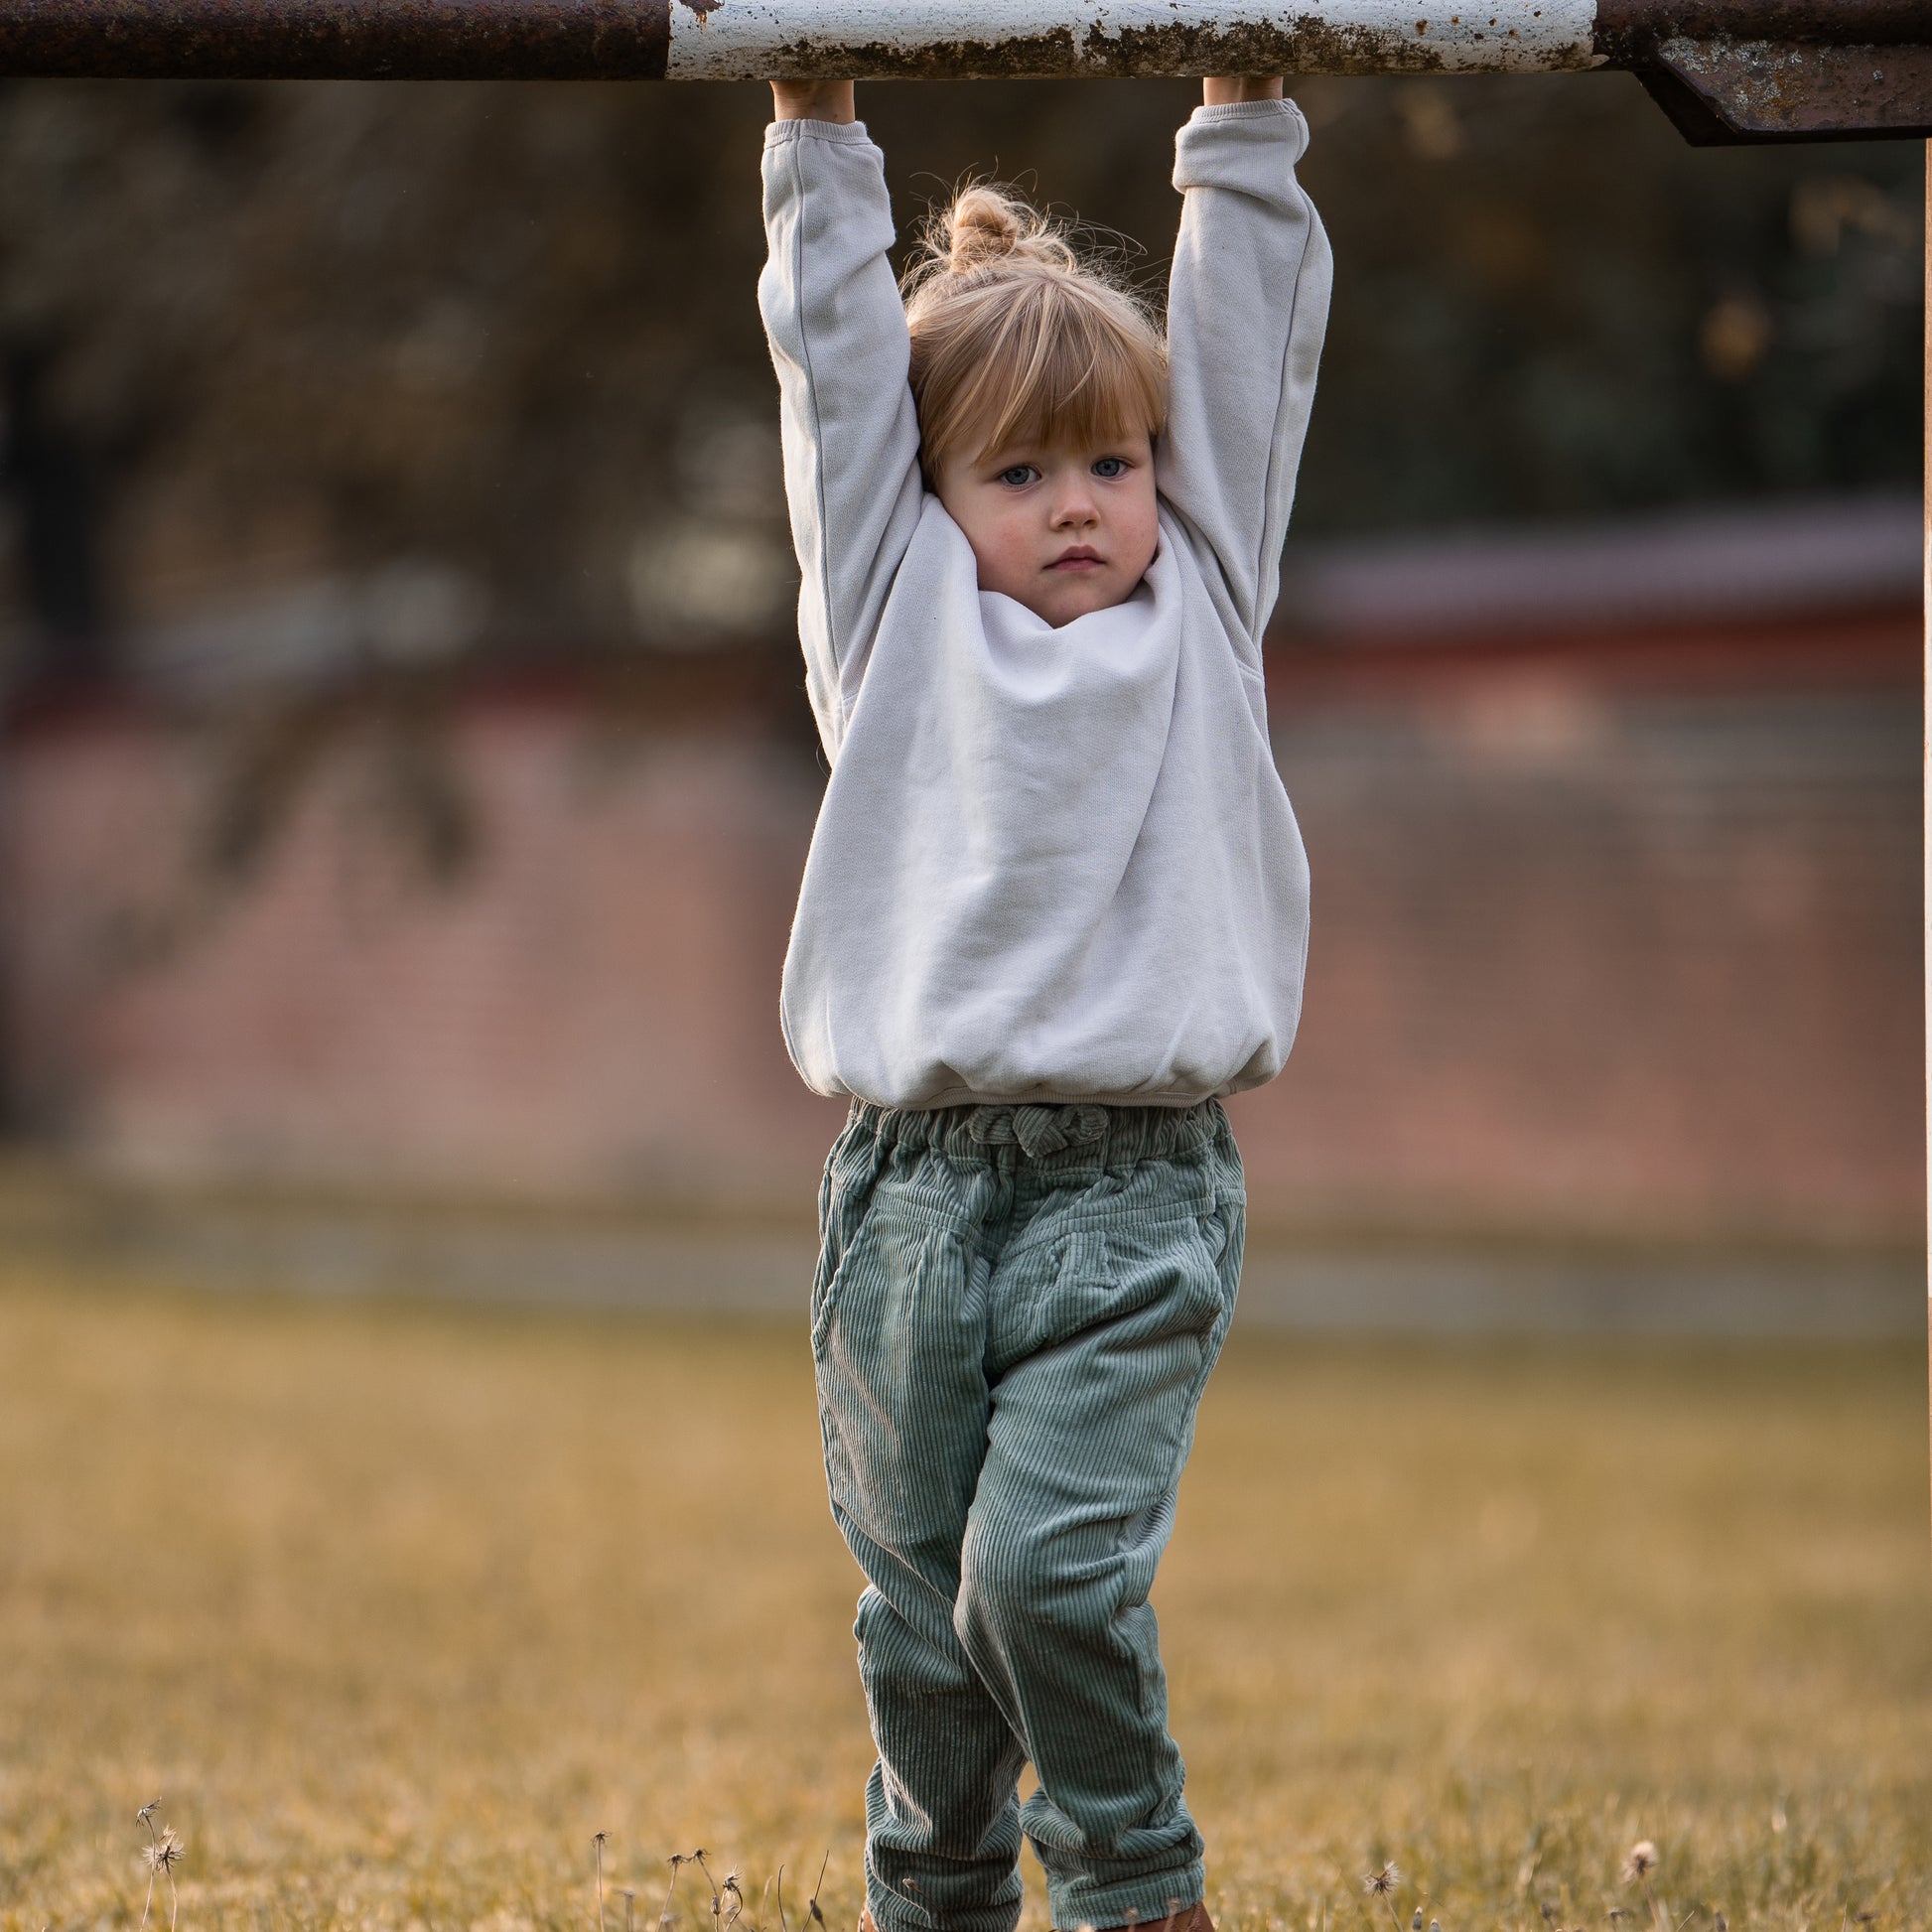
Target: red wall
<point x="1619" y="937"/>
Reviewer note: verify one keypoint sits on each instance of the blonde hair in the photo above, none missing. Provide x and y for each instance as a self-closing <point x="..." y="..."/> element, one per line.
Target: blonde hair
<point x="1017" y="338"/>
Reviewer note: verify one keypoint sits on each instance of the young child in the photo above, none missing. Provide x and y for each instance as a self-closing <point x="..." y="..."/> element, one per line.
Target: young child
<point x="1055" y="906"/>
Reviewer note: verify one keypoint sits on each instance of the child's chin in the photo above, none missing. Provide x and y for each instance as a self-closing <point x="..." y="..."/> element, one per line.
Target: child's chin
<point x="1078" y="601"/>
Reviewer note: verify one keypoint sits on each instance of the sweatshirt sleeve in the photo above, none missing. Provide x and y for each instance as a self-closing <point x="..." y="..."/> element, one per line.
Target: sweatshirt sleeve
<point x="837" y="331"/>
<point x="1247" y="306"/>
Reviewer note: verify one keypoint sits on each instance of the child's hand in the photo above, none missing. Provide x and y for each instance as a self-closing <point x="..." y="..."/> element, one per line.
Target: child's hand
<point x="822" y="100"/>
<point x="1223" y="91"/>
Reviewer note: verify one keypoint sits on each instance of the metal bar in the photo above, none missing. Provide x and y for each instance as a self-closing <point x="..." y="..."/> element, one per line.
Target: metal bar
<point x="1723" y="69"/>
<point x="766" y="38"/>
<point x="329" y="40"/>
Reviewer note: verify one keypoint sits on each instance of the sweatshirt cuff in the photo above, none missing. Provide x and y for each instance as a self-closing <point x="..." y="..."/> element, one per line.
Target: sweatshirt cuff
<point x="850" y="134"/>
<point x="1243" y="110"/>
<point x="1251" y="146"/>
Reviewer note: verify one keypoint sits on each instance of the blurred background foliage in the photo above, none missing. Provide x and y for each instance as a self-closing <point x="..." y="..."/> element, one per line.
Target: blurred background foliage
<point x="408" y="372"/>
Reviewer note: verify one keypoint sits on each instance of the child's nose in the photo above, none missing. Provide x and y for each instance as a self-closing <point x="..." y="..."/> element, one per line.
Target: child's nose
<point x="1076" y="506"/>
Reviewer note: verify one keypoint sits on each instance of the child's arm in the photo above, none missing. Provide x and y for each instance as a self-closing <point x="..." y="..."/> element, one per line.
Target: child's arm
<point x="1246" y="308"/>
<point x="837" y="330"/>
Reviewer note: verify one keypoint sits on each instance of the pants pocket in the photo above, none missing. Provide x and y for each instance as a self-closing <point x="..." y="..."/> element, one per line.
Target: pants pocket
<point x="1164" y="1277"/>
<point x="898" y="1343"/>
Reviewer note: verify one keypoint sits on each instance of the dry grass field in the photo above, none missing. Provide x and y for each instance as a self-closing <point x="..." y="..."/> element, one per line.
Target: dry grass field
<point x="394" y="1607"/>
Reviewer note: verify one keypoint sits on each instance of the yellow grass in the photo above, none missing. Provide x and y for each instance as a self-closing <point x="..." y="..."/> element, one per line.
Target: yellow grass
<point x="396" y="1607"/>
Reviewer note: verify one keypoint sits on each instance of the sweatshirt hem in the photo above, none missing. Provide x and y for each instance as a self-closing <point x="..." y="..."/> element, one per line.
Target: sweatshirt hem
<point x="1039" y="1097"/>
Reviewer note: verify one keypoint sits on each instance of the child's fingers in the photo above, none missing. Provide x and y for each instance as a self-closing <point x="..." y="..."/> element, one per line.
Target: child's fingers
<point x="812" y="100"/>
<point x="1223" y="90"/>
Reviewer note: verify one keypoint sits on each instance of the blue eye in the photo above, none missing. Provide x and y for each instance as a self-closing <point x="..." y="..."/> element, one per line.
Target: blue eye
<point x="1017" y="474"/>
<point x="1110" y="467"/>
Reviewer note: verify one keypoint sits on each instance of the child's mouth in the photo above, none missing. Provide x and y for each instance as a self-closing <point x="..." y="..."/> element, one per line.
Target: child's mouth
<point x="1079" y="560"/>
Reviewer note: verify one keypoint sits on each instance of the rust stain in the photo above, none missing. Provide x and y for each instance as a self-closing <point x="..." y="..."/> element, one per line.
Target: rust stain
<point x="404" y="40"/>
<point x="1628" y="30"/>
<point x="1025" y="57"/>
<point x="1304" y="44"/>
<point x="1290" y="43"/>
<point x="1767" y="90"/>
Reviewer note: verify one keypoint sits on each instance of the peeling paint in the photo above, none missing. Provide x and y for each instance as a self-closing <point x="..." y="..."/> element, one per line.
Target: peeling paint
<point x="1003" y="38"/>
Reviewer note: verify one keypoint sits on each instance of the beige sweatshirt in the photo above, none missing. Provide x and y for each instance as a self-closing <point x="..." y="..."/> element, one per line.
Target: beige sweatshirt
<point x="1051" y="864"/>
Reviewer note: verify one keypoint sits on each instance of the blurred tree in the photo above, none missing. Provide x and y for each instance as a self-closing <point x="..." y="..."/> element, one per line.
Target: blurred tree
<point x="1547" y="305"/>
<point x="53" y="479"/>
<point x="401" y="371"/>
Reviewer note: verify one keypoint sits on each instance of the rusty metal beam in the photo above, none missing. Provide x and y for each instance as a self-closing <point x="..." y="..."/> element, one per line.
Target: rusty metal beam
<point x="1725" y="69"/>
<point x="1722" y="93"/>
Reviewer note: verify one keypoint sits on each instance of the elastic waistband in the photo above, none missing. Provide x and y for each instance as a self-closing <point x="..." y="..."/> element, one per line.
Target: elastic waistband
<point x="1083" y="1133"/>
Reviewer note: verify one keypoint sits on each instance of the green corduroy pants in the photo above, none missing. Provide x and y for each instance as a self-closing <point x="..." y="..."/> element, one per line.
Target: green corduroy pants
<point x="1014" y="1311"/>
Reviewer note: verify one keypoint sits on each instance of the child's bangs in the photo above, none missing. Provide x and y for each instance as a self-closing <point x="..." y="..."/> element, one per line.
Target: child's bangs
<point x="1068" y="400"/>
<point x="1060" y="371"/>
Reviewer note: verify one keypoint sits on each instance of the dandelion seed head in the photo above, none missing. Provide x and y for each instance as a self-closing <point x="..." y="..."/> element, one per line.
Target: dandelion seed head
<point x="1379" y="1883"/>
<point x="165" y="1851"/>
<point x="1641" y="1862"/>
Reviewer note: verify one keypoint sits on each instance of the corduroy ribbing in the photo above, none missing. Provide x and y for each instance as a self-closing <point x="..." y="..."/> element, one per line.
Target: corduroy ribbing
<point x="1014" y="1311"/>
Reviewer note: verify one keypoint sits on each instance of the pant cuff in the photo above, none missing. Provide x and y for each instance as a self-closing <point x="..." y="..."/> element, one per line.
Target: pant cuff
<point x="891" y="1914"/>
<point x="1143" y="1902"/>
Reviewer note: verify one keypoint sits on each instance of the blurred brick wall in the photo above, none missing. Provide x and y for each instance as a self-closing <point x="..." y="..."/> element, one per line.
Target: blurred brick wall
<point x="1616" y="937"/>
<point x="589" y="1002"/>
<point x="1620" y="937"/>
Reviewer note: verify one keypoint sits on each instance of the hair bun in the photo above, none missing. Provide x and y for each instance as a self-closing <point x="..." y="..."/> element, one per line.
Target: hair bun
<point x="982" y="225"/>
<point x="986" y="224"/>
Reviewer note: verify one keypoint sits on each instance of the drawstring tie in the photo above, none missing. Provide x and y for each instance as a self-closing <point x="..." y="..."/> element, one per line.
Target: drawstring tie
<point x="1037" y="1130"/>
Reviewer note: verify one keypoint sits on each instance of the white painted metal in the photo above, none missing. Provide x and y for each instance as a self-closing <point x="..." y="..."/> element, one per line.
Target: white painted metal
<point x="738" y="40"/>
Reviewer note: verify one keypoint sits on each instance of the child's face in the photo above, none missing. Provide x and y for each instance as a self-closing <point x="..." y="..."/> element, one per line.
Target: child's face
<point x="1063" y="531"/>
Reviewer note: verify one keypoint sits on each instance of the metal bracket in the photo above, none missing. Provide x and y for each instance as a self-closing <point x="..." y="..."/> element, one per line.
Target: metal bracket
<point x="1726" y="92"/>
